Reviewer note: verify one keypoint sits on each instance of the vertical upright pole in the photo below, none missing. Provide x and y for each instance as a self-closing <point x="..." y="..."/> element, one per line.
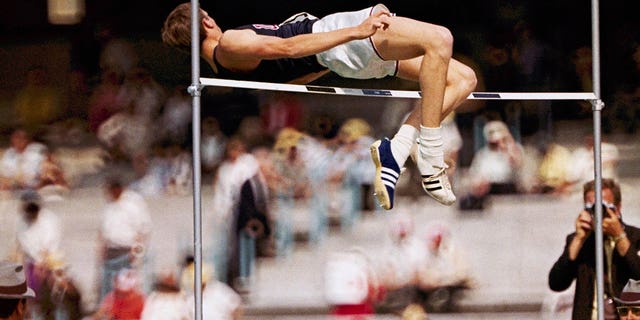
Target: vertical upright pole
<point x="195" y="90"/>
<point x="597" y="157"/>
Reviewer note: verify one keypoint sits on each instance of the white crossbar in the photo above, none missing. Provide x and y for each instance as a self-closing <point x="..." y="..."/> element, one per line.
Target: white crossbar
<point x="392" y="93"/>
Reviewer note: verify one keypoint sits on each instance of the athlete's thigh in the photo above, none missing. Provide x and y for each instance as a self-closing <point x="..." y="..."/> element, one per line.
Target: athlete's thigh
<point x="405" y="38"/>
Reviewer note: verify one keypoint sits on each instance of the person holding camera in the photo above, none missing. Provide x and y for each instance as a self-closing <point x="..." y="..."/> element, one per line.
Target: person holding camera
<point x="621" y="246"/>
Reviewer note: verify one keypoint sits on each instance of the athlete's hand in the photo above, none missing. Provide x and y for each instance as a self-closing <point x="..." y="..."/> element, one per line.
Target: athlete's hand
<point x="375" y="22"/>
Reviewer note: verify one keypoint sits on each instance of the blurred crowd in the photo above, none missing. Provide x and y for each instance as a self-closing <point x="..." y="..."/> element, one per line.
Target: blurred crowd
<point x="277" y="179"/>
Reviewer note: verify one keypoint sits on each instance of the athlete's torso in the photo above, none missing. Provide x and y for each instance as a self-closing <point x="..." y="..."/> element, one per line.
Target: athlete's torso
<point x="280" y="70"/>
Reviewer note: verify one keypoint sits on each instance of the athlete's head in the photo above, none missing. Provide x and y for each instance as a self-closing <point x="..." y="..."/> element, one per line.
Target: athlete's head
<point x="176" y="31"/>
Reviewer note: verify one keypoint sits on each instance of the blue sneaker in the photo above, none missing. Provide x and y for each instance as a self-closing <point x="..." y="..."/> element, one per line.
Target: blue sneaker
<point x="387" y="172"/>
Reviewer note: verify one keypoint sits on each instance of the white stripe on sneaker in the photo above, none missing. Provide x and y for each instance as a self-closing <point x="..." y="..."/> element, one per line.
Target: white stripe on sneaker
<point x="389" y="178"/>
<point x="389" y="184"/>
<point x="391" y="172"/>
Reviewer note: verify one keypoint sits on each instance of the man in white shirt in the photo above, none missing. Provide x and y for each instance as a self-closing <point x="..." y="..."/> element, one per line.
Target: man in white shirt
<point x="124" y="233"/>
<point x="40" y="231"/>
<point x="20" y="164"/>
<point x="237" y="168"/>
<point x="38" y="238"/>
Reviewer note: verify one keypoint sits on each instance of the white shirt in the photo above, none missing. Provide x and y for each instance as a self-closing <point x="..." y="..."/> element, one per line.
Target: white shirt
<point x="219" y="302"/>
<point x="231" y="176"/>
<point x="25" y="166"/>
<point x="166" y="306"/>
<point x="42" y="237"/>
<point x="494" y="166"/>
<point x="581" y="168"/>
<point x="125" y="220"/>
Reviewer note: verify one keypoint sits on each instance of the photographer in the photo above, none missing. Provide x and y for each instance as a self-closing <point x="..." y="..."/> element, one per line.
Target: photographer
<point x="621" y="243"/>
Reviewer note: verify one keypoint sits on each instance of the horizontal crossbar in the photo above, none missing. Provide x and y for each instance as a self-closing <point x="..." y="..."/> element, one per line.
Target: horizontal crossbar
<point x="392" y="93"/>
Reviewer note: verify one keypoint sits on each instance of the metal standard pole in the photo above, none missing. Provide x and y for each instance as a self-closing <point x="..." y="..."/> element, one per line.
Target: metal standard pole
<point x="597" y="157"/>
<point x="195" y="90"/>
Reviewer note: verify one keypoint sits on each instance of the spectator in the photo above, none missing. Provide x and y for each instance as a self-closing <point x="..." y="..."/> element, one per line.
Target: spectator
<point x="126" y="301"/>
<point x="124" y="234"/>
<point x="290" y="188"/>
<point x="167" y="301"/>
<point x="116" y="53"/>
<point x="354" y="170"/>
<point x="21" y="164"/>
<point x="143" y="92"/>
<point x="52" y="180"/>
<point x="166" y="171"/>
<point x="219" y="301"/>
<point x="444" y="269"/>
<point x="103" y="102"/>
<point x="282" y="110"/>
<point x="400" y="263"/>
<point x="582" y="165"/>
<point x="552" y="175"/>
<point x="577" y="262"/>
<point x="127" y="135"/>
<point x="251" y="130"/>
<point x="629" y="301"/>
<point x="235" y="170"/>
<point x="251" y="223"/>
<point x="64" y="299"/>
<point x="180" y="174"/>
<point x="176" y="116"/>
<point x="495" y="167"/>
<point x="307" y="161"/>
<point x="38" y="103"/>
<point x="14" y="291"/>
<point x="187" y="274"/>
<point x="266" y="246"/>
<point x="242" y="192"/>
<point x="151" y="172"/>
<point x="351" y="286"/>
<point x="38" y="240"/>
<point x="213" y="144"/>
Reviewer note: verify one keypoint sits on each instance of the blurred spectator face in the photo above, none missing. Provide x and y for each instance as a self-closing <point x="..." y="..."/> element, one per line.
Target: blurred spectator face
<point x="113" y="192"/>
<point x="496" y="133"/>
<point x="210" y="126"/>
<point x="235" y="148"/>
<point x="19" y="140"/>
<point x="629" y="312"/>
<point x="293" y="154"/>
<point x="30" y="212"/>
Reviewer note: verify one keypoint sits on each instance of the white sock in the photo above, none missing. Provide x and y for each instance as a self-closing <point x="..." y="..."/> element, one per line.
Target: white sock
<point x="402" y="142"/>
<point x="431" y="147"/>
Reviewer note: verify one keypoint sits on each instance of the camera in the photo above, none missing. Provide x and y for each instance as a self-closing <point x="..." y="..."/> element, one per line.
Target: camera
<point x="590" y="207"/>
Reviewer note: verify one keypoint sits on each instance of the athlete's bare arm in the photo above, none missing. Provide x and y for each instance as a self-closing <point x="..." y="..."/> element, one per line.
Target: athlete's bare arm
<point x="242" y="50"/>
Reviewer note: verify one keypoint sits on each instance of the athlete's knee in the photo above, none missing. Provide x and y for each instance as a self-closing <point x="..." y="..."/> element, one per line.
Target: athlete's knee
<point x="468" y="79"/>
<point x="442" y="42"/>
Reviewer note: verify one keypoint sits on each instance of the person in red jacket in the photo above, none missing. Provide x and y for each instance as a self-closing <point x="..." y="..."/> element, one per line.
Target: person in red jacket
<point x="125" y="301"/>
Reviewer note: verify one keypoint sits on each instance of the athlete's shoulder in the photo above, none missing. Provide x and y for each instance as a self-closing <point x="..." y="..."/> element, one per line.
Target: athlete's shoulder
<point x="233" y="38"/>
